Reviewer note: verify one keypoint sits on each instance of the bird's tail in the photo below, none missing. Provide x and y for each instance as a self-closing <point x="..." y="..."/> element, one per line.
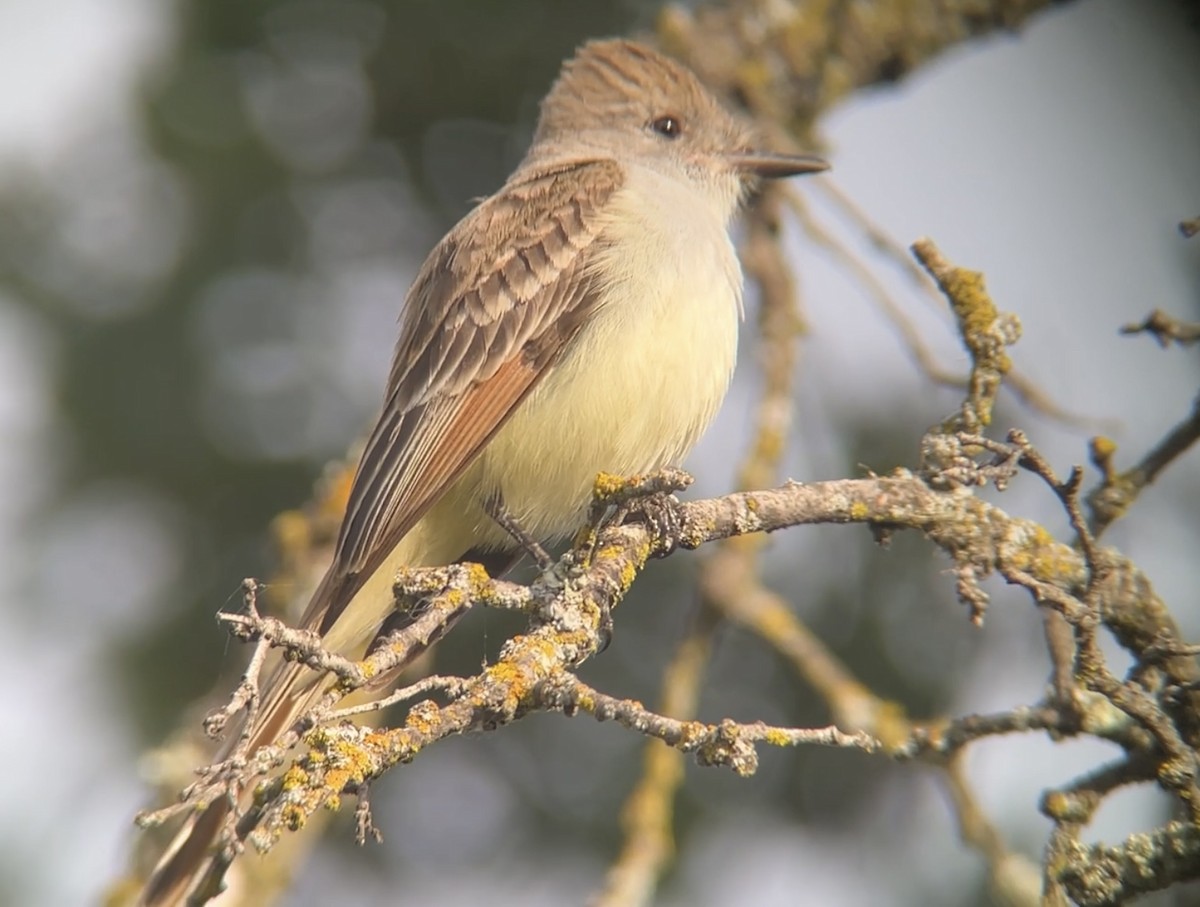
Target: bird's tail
<point x="183" y="873"/>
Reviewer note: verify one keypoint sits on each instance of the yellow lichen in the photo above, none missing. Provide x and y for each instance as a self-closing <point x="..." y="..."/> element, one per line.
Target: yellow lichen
<point x="1103" y="447"/>
<point x="608" y="485"/>
<point x="293" y="818"/>
<point x="586" y="702"/>
<point x="1056" y="805"/>
<point x="972" y="306"/>
<point x="777" y="737"/>
<point x="479" y="583"/>
<point x="337" y="780"/>
<point x="295" y="778"/>
<point x="423" y="718"/>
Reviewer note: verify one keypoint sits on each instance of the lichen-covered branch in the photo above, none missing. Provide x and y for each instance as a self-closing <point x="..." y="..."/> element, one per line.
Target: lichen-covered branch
<point x="340" y="759"/>
<point x="788" y="61"/>
<point x="1103" y="876"/>
<point x="1152" y="712"/>
<point x="1165" y="329"/>
<point x="730" y="744"/>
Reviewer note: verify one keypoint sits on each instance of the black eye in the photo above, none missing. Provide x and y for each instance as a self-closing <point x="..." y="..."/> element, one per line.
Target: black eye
<point x="668" y="127"/>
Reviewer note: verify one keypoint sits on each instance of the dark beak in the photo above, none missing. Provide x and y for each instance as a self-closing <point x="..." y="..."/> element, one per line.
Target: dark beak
<point x="776" y="166"/>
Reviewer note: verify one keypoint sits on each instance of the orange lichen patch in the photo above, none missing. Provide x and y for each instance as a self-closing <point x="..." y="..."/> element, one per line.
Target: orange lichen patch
<point x="424" y="718"/>
<point x="1103" y="448"/>
<point x="479" y="582"/>
<point x="295" y="778"/>
<point x="628" y="567"/>
<point x="608" y="485"/>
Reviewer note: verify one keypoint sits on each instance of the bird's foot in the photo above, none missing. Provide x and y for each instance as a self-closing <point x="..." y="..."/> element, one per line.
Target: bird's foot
<point x="661" y="512"/>
<point x="649" y="499"/>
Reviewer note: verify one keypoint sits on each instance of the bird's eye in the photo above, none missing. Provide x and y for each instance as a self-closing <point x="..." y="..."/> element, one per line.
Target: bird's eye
<point x="668" y="127"/>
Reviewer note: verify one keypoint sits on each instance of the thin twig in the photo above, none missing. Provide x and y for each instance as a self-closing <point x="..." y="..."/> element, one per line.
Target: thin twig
<point x="730" y="744"/>
<point x="1165" y="329"/>
<point x="1117" y="491"/>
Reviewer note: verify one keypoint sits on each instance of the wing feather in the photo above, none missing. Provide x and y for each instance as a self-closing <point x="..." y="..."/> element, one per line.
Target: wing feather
<point x="491" y="311"/>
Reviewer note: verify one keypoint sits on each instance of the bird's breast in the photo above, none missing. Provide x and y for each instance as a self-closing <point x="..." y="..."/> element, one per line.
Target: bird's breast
<point x="644" y="376"/>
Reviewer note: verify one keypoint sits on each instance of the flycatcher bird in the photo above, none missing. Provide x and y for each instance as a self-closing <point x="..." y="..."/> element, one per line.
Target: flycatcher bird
<point x="582" y="319"/>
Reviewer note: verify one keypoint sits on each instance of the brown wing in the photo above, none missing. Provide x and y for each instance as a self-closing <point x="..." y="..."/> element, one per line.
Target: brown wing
<point x="492" y="308"/>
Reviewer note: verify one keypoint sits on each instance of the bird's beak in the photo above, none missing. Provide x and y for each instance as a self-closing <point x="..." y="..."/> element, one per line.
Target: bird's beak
<point x="776" y="166"/>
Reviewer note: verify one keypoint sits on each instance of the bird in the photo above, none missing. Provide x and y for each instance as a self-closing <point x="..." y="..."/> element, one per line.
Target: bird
<point x="582" y="319"/>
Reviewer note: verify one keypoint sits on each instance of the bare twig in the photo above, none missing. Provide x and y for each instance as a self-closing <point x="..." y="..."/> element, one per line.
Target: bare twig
<point x="944" y="740"/>
<point x="1117" y="492"/>
<point x="1165" y="329"/>
<point x="728" y="743"/>
<point x="247" y="694"/>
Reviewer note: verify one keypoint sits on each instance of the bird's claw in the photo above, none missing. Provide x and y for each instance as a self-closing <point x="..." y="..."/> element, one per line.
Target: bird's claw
<point x="662" y="513"/>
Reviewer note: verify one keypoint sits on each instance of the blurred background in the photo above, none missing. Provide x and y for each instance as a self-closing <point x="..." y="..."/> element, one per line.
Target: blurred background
<point x="210" y="211"/>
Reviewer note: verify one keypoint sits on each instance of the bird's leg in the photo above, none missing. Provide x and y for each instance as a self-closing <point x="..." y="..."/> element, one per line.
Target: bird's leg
<point x="494" y="506"/>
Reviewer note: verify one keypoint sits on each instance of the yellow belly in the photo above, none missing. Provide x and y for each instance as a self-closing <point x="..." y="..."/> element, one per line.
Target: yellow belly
<point x="640" y="384"/>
